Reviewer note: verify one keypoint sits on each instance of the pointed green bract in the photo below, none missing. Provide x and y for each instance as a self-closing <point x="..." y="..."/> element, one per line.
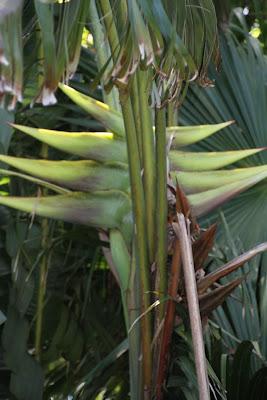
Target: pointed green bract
<point x="186" y="135"/>
<point x="78" y="175"/>
<point x="99" y="146"/>
<point x="206" y="201"/>
<point x="102" y="112"/>
<point x="120" y="257"/>
<point x="187" y="161"/>
<point x="195" y="182"/>
<point x="99" y="209"/>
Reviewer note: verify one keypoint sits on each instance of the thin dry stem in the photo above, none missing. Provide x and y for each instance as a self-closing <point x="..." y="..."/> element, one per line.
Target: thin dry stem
<point x="181" y="229"/>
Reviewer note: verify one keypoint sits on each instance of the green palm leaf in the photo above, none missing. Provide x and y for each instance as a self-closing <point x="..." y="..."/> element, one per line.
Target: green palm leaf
<point x="239" y="94"/>
<point x="177" y="38"/>
<point x="57" y="46"/>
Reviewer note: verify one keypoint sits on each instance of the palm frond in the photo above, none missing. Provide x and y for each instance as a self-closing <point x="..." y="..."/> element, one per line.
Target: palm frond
<point x="178" y="40"/>
<point x="58" y="46"/>
<point x="239" y="94"/>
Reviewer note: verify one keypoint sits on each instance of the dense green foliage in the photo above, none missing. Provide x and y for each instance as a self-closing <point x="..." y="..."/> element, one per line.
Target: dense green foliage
<point x="82" y="305"/>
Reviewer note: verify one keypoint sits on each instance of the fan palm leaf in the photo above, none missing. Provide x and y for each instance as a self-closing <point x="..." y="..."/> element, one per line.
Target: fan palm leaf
<point x="175" y="42"/>
<point x="239" y="94"/>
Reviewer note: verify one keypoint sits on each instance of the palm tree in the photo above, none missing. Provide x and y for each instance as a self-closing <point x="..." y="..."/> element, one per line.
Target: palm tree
<point x="152" y="51"/>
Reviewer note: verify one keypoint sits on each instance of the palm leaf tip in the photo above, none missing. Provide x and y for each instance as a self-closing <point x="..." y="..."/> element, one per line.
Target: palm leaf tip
<point x="11" y="58"/>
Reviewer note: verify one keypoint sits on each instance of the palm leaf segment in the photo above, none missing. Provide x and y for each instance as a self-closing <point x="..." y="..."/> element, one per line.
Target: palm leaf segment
<point x="56" y="39"/>
<point x="239" y="94"/>
<point x="176" y="38"/>
<point x="95" y="190"/>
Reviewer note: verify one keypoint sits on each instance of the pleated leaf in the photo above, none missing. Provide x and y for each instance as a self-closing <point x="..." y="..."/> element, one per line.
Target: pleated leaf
<point x="56" y="33"/>
<point x="9" y="7"/>
<point x="241" y="371"/>
<point x="78" y="175"/>
<point x="258" y="385"/>
<point x="99" y="146"/>
<point x="203" y="161"/>
<point x="239" y="94"/>
<point x="11" y="57"/>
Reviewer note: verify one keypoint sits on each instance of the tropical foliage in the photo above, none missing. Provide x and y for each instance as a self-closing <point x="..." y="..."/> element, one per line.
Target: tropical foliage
<point x="240" y="96"/>
<point x="119" y="176"/>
